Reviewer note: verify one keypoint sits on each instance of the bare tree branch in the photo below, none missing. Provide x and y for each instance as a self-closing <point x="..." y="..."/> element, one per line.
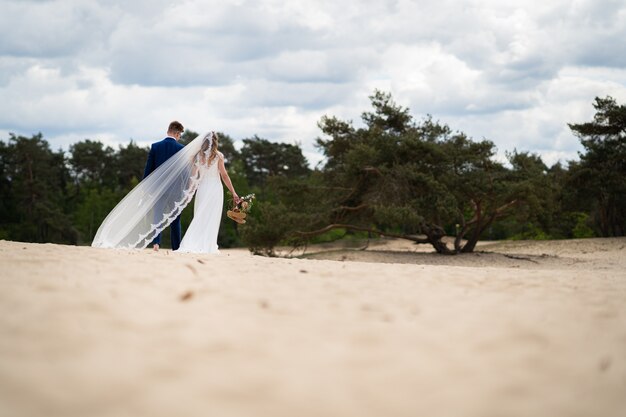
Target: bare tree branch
<point x="348" y="208"/>
<point x="361" y="229"/>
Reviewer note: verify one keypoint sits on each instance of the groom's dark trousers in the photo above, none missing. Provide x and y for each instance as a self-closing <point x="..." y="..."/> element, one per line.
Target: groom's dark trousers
<point x="159" y="153"/>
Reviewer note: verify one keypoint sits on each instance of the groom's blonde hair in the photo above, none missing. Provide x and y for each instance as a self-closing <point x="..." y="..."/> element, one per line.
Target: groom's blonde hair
<point x="175" y="127"/>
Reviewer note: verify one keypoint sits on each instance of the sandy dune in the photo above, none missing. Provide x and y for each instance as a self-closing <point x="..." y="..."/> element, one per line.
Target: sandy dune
<point x="518" y="329"/>
<point x="562" y="254"/>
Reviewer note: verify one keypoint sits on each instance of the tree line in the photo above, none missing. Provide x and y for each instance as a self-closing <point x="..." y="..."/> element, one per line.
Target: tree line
<point x="395" y="176"/>
<point x="62" y="197"/>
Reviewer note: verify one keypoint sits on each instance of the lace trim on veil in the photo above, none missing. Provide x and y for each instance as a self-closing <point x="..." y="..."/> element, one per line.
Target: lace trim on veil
<point x="168" y="218"/>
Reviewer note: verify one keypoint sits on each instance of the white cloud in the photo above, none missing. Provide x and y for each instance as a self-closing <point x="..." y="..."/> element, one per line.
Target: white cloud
<point x="515" y="73"/>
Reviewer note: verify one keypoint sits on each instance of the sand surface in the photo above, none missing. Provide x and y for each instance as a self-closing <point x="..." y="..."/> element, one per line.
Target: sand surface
<point x="517" y="329"/>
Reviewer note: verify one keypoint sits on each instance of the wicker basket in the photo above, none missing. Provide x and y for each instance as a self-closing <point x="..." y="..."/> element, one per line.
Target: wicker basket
<point x="237" y="216"/>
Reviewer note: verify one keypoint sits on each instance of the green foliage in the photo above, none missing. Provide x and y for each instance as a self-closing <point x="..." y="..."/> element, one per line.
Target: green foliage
<point x="34" y="180"/>
<point x="92" y="209"/>
<point x="267" y="229"/>
<point x="331" y="236"/>
<point x="601" y="172"/>
<point x="423" y="181"/>
<point x="387" y="116"/>
<point x="262" y="159"/>
<point x="418" y="178"/>
<point x="581" y="228"/>
<point x="101" y="178"/>
<point x="90" y="162"/>
<point x="129" y="163"/>
<point x="531" y="232"/>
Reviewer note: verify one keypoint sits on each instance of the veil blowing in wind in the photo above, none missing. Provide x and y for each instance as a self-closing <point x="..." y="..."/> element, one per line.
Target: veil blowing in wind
<point x="156" y="201"/>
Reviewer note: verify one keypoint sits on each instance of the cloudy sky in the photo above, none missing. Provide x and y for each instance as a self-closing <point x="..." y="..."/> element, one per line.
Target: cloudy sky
<point x="514" y="72"/>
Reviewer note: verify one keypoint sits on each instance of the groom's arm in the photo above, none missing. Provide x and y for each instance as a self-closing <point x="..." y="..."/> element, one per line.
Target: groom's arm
<point x="149" y="163"/>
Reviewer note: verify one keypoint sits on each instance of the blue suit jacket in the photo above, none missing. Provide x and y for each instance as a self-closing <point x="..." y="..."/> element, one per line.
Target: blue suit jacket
<point x="161" y="152"/>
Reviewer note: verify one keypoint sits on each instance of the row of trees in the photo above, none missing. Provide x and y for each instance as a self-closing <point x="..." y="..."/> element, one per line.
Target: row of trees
<point x="394" y="176"/>
<point x="62" y="197"/>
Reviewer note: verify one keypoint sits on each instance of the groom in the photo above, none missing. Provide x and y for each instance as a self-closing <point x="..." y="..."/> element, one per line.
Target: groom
<point x="159" y="153"/>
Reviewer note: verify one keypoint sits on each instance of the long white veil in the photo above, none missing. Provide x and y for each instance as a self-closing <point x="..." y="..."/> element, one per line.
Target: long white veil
<point x="156" y="201"/>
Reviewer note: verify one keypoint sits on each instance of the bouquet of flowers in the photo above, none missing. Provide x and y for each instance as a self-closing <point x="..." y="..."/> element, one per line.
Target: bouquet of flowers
<point x="238" y="212"/>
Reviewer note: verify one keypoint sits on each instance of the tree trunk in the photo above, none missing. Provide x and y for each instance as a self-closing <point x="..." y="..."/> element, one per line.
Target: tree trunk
<point x="442" y="248"/>
<point x="435" y="234"/>
<point x="471" y="242"/>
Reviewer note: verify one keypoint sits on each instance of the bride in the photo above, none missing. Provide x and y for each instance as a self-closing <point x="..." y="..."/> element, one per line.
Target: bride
<point x="201" y="236"/>
<point x="157" y="200"/>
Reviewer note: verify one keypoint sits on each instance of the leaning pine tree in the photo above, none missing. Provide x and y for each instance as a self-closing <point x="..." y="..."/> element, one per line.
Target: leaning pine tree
<point x="394" y="177"/>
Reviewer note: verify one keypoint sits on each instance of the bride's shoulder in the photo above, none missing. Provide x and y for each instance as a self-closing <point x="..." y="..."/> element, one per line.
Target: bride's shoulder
<point x="220" y="155"/>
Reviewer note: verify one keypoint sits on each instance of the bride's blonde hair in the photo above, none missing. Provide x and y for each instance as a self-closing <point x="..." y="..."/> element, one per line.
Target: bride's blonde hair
<point x="214" y="142"/>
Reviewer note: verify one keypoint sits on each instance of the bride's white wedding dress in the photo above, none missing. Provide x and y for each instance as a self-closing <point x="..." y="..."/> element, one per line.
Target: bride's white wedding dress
<point x="201" y="235"/>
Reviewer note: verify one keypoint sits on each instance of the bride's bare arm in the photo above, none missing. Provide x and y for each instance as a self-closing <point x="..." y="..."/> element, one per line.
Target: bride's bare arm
<point x="226" y="178"/>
